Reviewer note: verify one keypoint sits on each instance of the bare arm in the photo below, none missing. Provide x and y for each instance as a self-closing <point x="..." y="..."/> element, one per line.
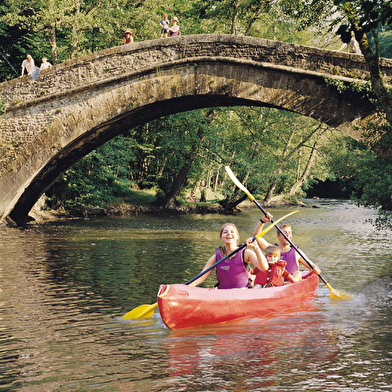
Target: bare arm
<point x="210" y="262"/>
<point x="315" y="268"/>
<point x="256" y="257"/>
<point x="292" y="279"/>
<point x="259" y="228"/>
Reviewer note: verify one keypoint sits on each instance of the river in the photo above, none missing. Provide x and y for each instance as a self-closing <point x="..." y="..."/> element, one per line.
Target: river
<point x="65" y="285"/>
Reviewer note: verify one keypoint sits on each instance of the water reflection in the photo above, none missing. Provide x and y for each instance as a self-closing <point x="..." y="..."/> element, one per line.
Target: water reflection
<point x="264" y="341"/>
<point x="64" y="285"/>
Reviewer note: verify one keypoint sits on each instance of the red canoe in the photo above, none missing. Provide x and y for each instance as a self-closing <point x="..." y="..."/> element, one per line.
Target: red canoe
<point x="184" y="306"/>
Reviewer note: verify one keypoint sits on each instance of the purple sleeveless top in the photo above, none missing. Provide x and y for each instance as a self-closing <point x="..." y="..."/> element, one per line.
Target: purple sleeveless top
<point x="290" y="259"/>
<point x="231" y="274"/>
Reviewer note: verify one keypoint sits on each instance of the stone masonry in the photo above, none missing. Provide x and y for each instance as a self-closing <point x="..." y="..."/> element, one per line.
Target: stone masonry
<point x="73" y="107"/>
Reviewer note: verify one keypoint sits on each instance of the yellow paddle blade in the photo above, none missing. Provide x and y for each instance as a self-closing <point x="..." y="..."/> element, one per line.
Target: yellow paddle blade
<point x="337" y="294"/>
<point x="235" y="180"/>
<point x="274" y="224"/>
<point x="142" y="311"/>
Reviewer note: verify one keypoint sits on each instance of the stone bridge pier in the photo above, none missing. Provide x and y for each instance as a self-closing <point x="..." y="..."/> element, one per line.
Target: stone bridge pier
<point x="72" y="108"/>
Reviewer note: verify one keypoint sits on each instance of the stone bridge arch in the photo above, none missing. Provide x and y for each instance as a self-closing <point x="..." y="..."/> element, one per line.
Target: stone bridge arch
<point x="72" y="108"/>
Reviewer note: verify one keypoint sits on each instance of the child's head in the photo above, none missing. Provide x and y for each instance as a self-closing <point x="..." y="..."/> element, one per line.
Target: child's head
<point x="164" y="16"/>
<point x="272" y="253"/>
<point x="44" y="59"/>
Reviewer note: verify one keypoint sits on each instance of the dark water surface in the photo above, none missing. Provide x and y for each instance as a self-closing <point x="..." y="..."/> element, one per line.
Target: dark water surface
<point x="64" y="286"/>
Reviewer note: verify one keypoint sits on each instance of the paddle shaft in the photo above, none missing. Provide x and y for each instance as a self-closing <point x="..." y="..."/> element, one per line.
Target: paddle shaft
<point x="291" y="243"/>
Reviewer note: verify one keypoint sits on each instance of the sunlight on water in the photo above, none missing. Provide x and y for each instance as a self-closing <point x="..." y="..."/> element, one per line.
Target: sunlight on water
<point x="64" y="287"/>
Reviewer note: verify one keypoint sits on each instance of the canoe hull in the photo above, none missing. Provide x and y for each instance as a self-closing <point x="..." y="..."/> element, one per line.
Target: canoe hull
<point x="184" y="306"/>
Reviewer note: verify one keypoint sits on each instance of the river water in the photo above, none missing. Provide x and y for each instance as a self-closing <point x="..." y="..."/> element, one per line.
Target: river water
<point x="64" y="286"/>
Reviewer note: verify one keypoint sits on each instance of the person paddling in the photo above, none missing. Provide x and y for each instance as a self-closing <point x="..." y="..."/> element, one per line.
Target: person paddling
<point x="288" y="253"/>
<point x="233" y="272"/>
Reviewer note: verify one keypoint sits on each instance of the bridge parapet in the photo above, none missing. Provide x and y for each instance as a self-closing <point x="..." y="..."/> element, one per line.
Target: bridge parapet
<point x="122" y="60"/>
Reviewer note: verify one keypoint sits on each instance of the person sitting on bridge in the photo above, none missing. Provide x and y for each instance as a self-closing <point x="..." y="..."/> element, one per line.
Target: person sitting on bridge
<point x="192" y="197"/>
<point x="31" y="69"/>
<point x="353" y="46"/>
<point x="45" y="64"/>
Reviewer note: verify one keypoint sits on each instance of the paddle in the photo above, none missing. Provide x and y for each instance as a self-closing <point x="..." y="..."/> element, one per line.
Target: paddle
<point x="144" y="311"/>
<point x="335" y="294"/>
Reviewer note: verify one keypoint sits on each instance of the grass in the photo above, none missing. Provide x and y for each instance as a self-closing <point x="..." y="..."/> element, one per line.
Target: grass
<point x="138" y="198"/>
<point x="147" y="197"/>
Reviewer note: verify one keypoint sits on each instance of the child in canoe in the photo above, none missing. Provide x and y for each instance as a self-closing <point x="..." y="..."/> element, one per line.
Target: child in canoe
<point x="276" y="272"/>
<point x="288" y="252"/>
<point x="232" y="273"/>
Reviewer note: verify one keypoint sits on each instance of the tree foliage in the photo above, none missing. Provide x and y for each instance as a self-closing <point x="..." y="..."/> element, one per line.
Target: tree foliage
<point x="96" y="180"/>
<point x="366" y="175"/>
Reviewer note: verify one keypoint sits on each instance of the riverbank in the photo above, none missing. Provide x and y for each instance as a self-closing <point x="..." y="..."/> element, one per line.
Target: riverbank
<point x="40" y="214"/>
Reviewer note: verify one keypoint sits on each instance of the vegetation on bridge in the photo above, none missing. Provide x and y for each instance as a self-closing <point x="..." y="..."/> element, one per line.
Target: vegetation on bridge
<point x="272" y="152"/>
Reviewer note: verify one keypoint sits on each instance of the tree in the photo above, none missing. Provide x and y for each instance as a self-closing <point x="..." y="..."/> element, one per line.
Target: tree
<point x="167" y="150"/>
<point x="301" y="178"/>
<point x="267" y="149"/>
<point x="282" y="20"/>
<point x="96" y="180"/>
<point x="64" y="29"/>
<point x="364" y="16"/>
<point x="366" y="175"/>
<point x="36" y="17"/>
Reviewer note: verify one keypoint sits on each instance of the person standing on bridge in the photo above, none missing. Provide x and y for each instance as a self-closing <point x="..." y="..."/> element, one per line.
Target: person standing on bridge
<point x="353" y="46"/>
<point x="128" y="37"/>
<point x="164" y="23"/>
<point x="174" y="30"/>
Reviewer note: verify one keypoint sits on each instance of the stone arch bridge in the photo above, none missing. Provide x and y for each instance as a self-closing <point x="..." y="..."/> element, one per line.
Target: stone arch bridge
<point x="72" y="108"/>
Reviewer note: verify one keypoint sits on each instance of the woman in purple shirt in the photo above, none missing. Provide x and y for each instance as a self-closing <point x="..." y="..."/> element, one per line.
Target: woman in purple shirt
<point x="174" y="30"/>
<point x="233" y="272"/>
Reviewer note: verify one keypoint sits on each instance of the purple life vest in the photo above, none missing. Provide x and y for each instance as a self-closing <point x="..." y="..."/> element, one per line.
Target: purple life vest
<point x="231" y="274"/>
<point x="291" y="260"/>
